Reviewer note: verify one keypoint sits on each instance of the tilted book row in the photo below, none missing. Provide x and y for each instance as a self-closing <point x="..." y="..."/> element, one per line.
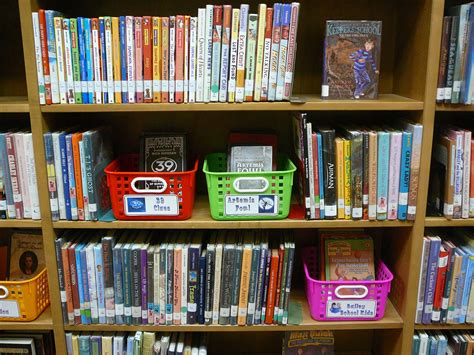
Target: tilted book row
<point x="126" y="277"/>
<point x="224" y="54"/>
<point x="445" y="293"/>
<point x="139" y="343"/>
<point x="354" y="172"/>
<point x="442" y="342"/>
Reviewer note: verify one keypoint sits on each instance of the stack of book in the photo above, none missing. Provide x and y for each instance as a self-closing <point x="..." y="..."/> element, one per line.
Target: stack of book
<point x="18" y="186"/>
<point x="455" y="75"/>
<point x="140" y="343"/>
<point x="352" y="172"/>
<point x="75" y="162"/>
<point x="452" y="179"/>
<point x="455" y="342"/>
<point x="224" y="54"/>
<point x="445" y="293"/>
<point x="126" y="277"/>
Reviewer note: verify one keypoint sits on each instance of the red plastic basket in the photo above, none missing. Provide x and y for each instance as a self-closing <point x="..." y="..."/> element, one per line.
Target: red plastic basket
<point x="123" y="175"/>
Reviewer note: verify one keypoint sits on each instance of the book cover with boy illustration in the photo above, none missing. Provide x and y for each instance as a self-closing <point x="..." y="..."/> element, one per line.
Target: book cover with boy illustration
<point x="351" y="60"/>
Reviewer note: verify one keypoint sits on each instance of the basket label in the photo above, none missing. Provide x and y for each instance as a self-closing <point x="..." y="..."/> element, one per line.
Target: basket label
<point x="9" y="309"/>
<point x="151" y="205"/>
<point x="251" y="205"/>
<point x="351" y="309"/>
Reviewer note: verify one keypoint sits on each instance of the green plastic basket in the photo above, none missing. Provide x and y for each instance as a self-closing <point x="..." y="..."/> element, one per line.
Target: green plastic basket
<point x="248" y="196"/>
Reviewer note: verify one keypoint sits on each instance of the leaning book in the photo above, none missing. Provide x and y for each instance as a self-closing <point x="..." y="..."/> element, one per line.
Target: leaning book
<point x="351" y="67"/>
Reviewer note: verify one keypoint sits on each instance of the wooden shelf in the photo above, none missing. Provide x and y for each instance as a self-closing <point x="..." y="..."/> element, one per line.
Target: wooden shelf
<point x="202" y="219"/>
<point x="444" y="222"/>
<point x="44" y="321"/>
<point x="391" y="321"/>
<point x="454" y="108"/>
<point x="444" y="326"/>
<point x="19" y="223"/>
<point x="14" y="104"/>
<point x="385" y="102"/>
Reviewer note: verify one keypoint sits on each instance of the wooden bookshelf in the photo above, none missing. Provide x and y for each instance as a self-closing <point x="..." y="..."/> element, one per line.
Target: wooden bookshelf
<point x="14" y="104"/>
<point x="454" y="108"/>
<point x="44" y="321"/>
<point x="444" y="326"/>
<point x="19" y="223"/>
<point x="444" y="222"/>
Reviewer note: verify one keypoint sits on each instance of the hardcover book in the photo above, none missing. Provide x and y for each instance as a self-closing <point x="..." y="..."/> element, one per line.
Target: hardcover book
<point x="26" y="256"/>
<point x="163" y="152"/>
<point x="351" y="65"/>
<point x="309" y="342"/>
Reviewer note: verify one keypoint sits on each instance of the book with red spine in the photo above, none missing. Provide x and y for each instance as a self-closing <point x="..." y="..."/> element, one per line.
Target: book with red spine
<point x="272" y="285"/>
<point x="44" y="57"/>
<point x="14" y="174"/>
<point x="267" y="51"/>
<point x="187" y="31"/>
<point x="67" y="282"/>
<point x="165" y="74"/>
<point x="147" y="60"/>
<point x="443" y="262"/>
<point x="179" y="63"/>
<point x="138" y="60"/>
<point x="281" y="257"/>
<point x="291" y="55"/>
<point x="74" y="282"/>
<point x="317" y="204"/>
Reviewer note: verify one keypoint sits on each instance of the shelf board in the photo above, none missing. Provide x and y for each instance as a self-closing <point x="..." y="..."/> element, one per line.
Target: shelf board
<point x="14" y="104"/>
<point x="391" y="320"/>
<point x="444" y="222"/>
<point x="385" y="102"/>
<point x="202" y="219"/>
<point x="444" y="326"/>
<point x="19" y="223"/>
<point x="454" y="107"/>
<point x="44" y="321"/>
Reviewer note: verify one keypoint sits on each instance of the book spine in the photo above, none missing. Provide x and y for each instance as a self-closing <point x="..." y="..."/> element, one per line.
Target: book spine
<point x="74" y="286"/>
<point x="417" y="134"/>
<point x="431" y="280"/>
<point x="281" y="256"/>
<point x="291" y="56"/>
<point x="59" y="175"/>
<point x="85" y="195"/>
<point x="208" y="52"/>
<point x="64" y="175"/>
<point x="460" y="50"/>
<point x="289" y="274"/>
<point x="422" y="280"/>
<point x="58" y="34"/>
<point x="127" y="284"/>
<point x="193" y="31"/>
<point x="279" y="316"/>
<point x="244" y="285"/>
<point x="44" y="56"/>
<point x="80" y="285"/>
<point x="466" y="173"/>
<point x="89" y="60"/>
<point x="272" y="287"/>
<point x="356" y="174"/>
<point x="443" y="259"/>
<point x="447" y="285"/>
<point x="241" y="53"/>
<point x="262" y="14"/>
<point x="321" y="174"/>
<point x="52" y="57"/>
<point x="103" y="61"/>
<point x="234" y="46"/>
<point x="383" y="140"/>
<point x="138" y="59"/>
<point x="365" y="175"/>
<point x="96" y="56"/>
<point x="394" y="174"/>
<point x="99" y="277"/>
<point x="81" y="35"/>
<point x="179" y="59"/>
<point x="14" y="176"/>
<point x="165" y="59"/>
<point x="260" y="283"/>
<point x="172" y="59"/>
<point x="116" y="60"/>
<point x="130" y="45"/>
<point x="50" y="168"/>
<point x="316" y="177"/>
<point x="285" y="29"/>
<point x="76" y="66"/>
<point x="253" y="284"/>
<point x="275" y="50"/>
<point x="68" y="61"/>
<point x="184" y="285"/>
<point x="147" y="60"/>
<point x="156" y="285"/>
<point x="144" y="286"/>
<point x="193" y="285"/>
<point x="177" y="285"/>
<point x="234" y="303"/>
<point x="169" y="284"/>
<point x="329" y="159"/>
<point x="448" y="89"/>
<point x="77" y="173"/>
<point x="267" y="51"/>
<point x="265" y="287"/>
<point x="118" y="284"/>
<point x="85" y="285"/>
<point x="136" y="287"/>
<point x="443" y="58"/>
<point x="210" y="266"/>
<point x="38" y="57"/>
<point x="67" y="285"/>
<point x="200" y="54"/>
<point x="150" y="272"/>
<point x="58" y="243"/>
<point x="157" y="60"/>
<point x="92" y="284"/>
<point x="202" y="289"/>
<point x="22" y="175"/>
<point x="226" y="33"/>
<point x="250" y="60"/>
<point x="456" y="276"/>
<point x="404" y="175"/>
<point x="123" y="59"/>
<point x="187" y="23"/>
<point x="109" y="60"/>
<point x="107" y="254"/>
<point x="309" y="164"/>
<point x="162" y="282"/>
<point x="471" y="182"/>
<point x="225" y="295"/>
<point x="216" y="52"/>
<point x="373" y="145"/>
<point x="340" y="177"/>
<point x="458" y="175"/>
<point x="217" y="284"/>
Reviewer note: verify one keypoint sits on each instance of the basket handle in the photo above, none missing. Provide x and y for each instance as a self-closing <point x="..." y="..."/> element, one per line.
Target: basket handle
<point x="351" y="287"/>
<point x="160" y="180"/>
<point x="243" y="189"/>
<point x="5" y="292"/>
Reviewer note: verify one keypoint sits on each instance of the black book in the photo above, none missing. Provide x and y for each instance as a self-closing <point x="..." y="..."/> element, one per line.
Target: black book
<point x="253" y="281"/>
<point x="210" y="267"/>
<point x="443" y="58"/>
<point x="365" y="177"/>
<point x="226" y="280"/>
<point x="328" y="136"/>
<point x="162" y="152"/>
<point x="107" y="254"/>
<point x="202" y="286"/>
<point x="448" y="88"/>
<point x="62" y="288"/>
<point x="300" y="142"/>
<point x="136" y="285"/>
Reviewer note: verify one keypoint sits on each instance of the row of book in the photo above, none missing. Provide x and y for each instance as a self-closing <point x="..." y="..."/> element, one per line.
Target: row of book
<point x="126" y="277"/>
<point x="351" y="172"/>
<point x="452" y="178"/>
<point x="224" y="54"/>
<point x="75" y="162"/>
<point x="139" y="343"/>
<point x="24" y="342"/>
<point x="445" y="293"/>
<point x="455" y="75"/>
<point x="18" y="185"/>
<point x="446" y="342"/>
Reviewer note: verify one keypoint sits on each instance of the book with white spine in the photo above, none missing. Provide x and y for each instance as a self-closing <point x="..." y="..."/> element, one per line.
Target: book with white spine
<point x="208" y="23"/>
<point x="109" y="56"/>
<point x="241" y="53"/>
<point x="217" y="278"/>
<point x="216" y="52"/>
<point x="467" y="173"/>
<point x="31" y="176"/>
<point x="172" y="78"/>
<point x="200" y="54"/>
<point x="234" y="46"/>
<point x="156" y="285"/>
<point x="39" y="58"/>
<point x="276" y="37"/>
<point x="70" y="93"/>
<point x="184" y="284"/>
<point x="285" y="26"/>
<point x="262" y="14"/>
<point x="226" y="25"/>
<point x="22" y="173"/>
<point x="130" y="59"/>
<point x="267" y="51"/>
<point x="96" y="61"/>
<point x="250" y="60"/>
<point x="193" y="28"/>
<point x="52" y="56"/>
<point x="58" y="34"/>
<point x="59" y="175"/>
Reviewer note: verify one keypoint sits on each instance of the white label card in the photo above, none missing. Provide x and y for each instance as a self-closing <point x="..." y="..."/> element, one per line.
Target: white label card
<point x="351" y="309"/>
<point x="151" y="205"/>
<point x="251" y="205"/>
<point x="9" y="309"/>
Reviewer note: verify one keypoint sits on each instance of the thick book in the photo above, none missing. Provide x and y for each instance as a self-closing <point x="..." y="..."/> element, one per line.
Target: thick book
<point x="351" y="62"/>
<point x="448" y="87"/>
<point x="443" y="58"/>
<point x="329" y="168"/>
<point x="422" y="280"/>
<point x="432" y="269"/>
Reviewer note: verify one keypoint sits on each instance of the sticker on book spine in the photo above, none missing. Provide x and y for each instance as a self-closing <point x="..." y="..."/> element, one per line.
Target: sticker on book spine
<point x="151" y="205"/>
<point x="251" y="205"/>
<point x="9" y="309"/>
<point x="351" y="309"/>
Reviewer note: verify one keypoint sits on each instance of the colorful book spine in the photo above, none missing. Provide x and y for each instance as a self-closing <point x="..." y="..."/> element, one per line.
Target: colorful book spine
<point x="22" y="176"/>
<point x="58" y="34"/>
<point x="136" y="295"/>
<point x="109" y="290"/>
<point x="179" y="96"/>
<point x="184" y="285"/>
<point x="356" y="173"/>
<point x="404" y="175"/>
<point x="76" y="137"/>
<point x="144" y="284"/>
<point x="321" y="173"/>
<point x="340" y="177"/>
<point x="471" y="183"/>
<point x="244" y="282"/>
<point x="52" y="56"/>
<point x="123" y="59"/>
<point x="383" y="140"/>
<point x="127" y="283"/>
<point x="262" y="14"/>
<point x="208" y="30"/>
<point x="172" y="59"/>
<point x="250" y="59"/>
<point x="317" y="193"/>
<point x="347" y="179"/>
<point x="267" y="51"/>
<point x="241" y="53"/>
<point x="372" y="209"/>
<point x="89" y="58"/>
<point x="96" y="61"/>
<point x="82" y="59"/>
<point x="31" y="177"/>
<point x="282" y="56"/>
<point x="435" y="244"/>
<point x="44" y="56"/>
<point x="99" y="276"/>
<point x="130" y="45"/>
<point x="177" y="274"/>
<point x="200" y="54"/>
<point x="138" y="59"/>
<point x="64" y="175"/>
<point x="417" y="134"/>
<point x="226" y="38"/>
<point x="193" y="30"/>
<point x="118" y="283"/>
<point x="109" y="60"/>
<point x="59" y="175"/>
<point x="255" y="261"/>
<point x="103" y="61"/>
<point x="14" y="174"/>
<point x="234" y="46"/>
<point x="216" y="52"/>
<point x="165" y="59"/>
<point x="169" y="283"/>
<point x="365" y="175"/>
<point x="116" y="60"/>
<point x="234" y="302"/>
<point x="68" y="62"/>
<point x="394" y="174"/>
<point x="157" y="60"/>
<point x="85" y="194"/>
<point x="147" y="60"/>
<point x="466" y="173"/>
<point x="422" y="280"/>
<point x="76" y="65"/>
<point x="187" y="23"/>
<point x="443" y="260"/>
<point x="275" y="51"/>
<point x="291" y="56"/>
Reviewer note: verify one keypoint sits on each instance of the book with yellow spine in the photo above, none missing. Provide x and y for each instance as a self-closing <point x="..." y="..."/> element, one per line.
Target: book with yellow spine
<point x="340" y="167"/>
<point x="156" y="42"/>
<point x="262" y="13"/>
<point x="116" y="60"/>
<point x="244" y="281"/>
<point x="234" y="44"/>
<point x="347" y="179"/>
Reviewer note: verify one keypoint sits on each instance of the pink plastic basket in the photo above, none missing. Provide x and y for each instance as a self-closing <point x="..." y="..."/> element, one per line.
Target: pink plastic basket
<point x="345" y="300"/>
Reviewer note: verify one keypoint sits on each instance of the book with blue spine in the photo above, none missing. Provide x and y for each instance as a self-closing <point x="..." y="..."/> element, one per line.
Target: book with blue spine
<point x="99" y="276"/>
<point x="85" y="344"/>
<point x="194" y="253"/>
<point x="285" y="25"/>
<point x="85" y="285"/>
<point x="261" y="280"/>
<point x="52" y="55"/>
<point x="82" y="59"/>
<point x="11" y="213"/>
<point x="467" y="289"/>
<point x="65" y="175"/>
<point x="123" y="59"/>
<point x="71" y="177"/>
<point x="383" y="139"/>
<point x="321" y="173"/>
<point x="432" y="271"/>
<point x="118" y="281"/>
<point x="103" y="61"/>
<point x="49" y="157"/>
<point x="202" y="287"/>
<point x="89" y="60"/>
<point x="404" y="175"/>
<point x="80" y="286"/>
<point x="460" y="289"/>
<point x="96" y="345"/>
<point x="92" y="282"/>
<point x="127" y="283"/>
